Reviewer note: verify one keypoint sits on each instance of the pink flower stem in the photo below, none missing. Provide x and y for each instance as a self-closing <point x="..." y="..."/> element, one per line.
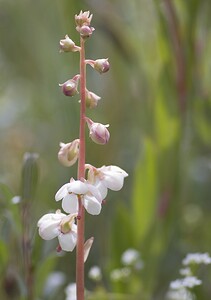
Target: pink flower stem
<point x="81" y="174"/>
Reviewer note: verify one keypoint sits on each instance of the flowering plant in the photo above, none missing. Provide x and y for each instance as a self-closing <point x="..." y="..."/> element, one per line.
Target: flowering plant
<point x="86" y="192"/>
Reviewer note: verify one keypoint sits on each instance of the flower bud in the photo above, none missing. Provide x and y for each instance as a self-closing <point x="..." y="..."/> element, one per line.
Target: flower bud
<point x="68" y="154"/>
<point x="84" y="18"/>
<point x="85" y="31"/>
<point x="101" y="65"/>
<point x="67" y="45"/>
<point x="69" y="87"/>
<point x="98" y="132"/>
<point x="91" y="99"/>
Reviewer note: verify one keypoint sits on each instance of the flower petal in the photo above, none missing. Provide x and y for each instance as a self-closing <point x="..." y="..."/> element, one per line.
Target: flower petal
<point x="49" y="226"/>
<point x="70" y="203"/>
<point x="102" y="189"/>
<point x="114" y="182"/>
<point x="77" y="187"/>
<point x="62" y="192"/>
<point x="92" y="205"/>
<point x="68" y="240"/>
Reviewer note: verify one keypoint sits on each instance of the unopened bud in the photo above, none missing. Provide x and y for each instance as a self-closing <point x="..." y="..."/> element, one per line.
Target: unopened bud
<point x="84" y="18"/>
<point x="67" y="45"/>
<point x="85" y="31"/>
<point x="98" y="132"/>
<point x="91" y="99"/>
<point x="68" y="154"/>
<point x="100" y="65"/>
<point x="69" y="87"/>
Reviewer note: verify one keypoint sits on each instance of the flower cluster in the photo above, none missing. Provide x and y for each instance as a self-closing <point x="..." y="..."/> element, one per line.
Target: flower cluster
<point x="88" y="192"/>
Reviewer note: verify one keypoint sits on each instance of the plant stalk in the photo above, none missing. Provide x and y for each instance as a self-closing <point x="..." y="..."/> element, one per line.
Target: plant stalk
<point x="81" y="174"/>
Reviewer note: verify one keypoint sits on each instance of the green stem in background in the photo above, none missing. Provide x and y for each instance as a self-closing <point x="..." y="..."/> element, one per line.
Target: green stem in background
<point x="81" y="174"/>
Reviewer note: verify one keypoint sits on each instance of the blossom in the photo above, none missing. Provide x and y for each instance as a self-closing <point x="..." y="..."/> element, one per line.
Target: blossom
<point x="130" y="257"/>
<point x="187" y="282"/>
<point x="67" y="45"/>
<point x="106" y="177"/>
<point x="59" y="225"/>
<point x="68" y="153"/>
<point x="98" y="132"/>
<point x="91" y="99"/>
<point x="83" y="21"/>
<point x="197" y="258"/>
<point x="70" y="192"/>
<point x="71" y="292"/>
<point x="95" y="273"/>
<point x="100" y="65"/>
<point x="69" y="87"/>
<point x="120" y="274"/>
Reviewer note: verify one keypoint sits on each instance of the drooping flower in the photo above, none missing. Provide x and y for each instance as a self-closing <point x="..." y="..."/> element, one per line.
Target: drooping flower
<point x="106" y="177"/>
<point x="91" y="99"/>
<point x="83" y="21"/>
<point x="59" y="225"/>
<point x="69" y="87"/>
<point x="101" y="65"/>
<point x="71" y="192"/>
<point x="67" y="45"/>
<point x="68" y="153"/>
<point x="98" y="132"/>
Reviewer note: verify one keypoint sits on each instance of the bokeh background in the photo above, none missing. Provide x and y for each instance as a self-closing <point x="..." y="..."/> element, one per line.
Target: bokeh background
<point x="156" y="98"/>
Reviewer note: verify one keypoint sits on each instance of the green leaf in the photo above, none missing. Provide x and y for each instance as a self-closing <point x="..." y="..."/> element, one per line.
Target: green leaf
<point x="145" y="190"/>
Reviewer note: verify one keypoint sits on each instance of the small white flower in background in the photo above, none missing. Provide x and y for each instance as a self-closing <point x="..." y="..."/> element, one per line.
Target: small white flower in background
<point x="187" y="282"/>
<point x="90" y="197"/>
<point x="106" y="177"/>
<point x="54" y="281"/>
<point x="59" y="225"/>
<point x="130" y="257"/>
<point x="95" y="273"/>
<point x="181" y="294"/>
<point x="120" y="274"/>
<point x="71" y="292"/>
<point x="197" y="258"/>
<point x="185" y="272"/>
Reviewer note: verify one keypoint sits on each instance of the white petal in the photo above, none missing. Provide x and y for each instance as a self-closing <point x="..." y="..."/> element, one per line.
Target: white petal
<point x="102" y="189"/>
<point x="62" y="192"/>
<point x="77" y="187"/>
<point x="68" y="240"/>
<point x="92" y="205"/>
<point x="95" y="192"/>
<point x="70" y="203"/>
<point x="114" y="182"/>
<point x="48" y="228"/>
<point x="113" y="169"/>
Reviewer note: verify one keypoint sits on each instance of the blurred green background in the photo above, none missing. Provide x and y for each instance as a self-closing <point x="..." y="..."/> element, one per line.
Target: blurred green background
<point x="156" y="98"/>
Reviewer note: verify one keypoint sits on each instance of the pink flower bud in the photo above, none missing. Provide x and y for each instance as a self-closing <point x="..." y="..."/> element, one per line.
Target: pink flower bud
<point x="69" y="87"/>
<point x="67" y="45"/>
<point x="85" y="31"/>
<point x="100" y="65"/>
<point x="84" y="18"/>
<point x="91" y="99"/>
<point x="68" y="154"/>
<point x="98" y="132"/>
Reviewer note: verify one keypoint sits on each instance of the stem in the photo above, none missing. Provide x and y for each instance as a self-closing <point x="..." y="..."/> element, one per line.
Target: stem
<point x="81" y="174"/>
<point x="179" y="54"/>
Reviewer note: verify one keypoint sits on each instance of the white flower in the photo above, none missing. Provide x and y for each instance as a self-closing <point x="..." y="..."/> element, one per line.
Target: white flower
<point x="59" y="225"/>
<point x="187" y="282"/>
<point x="197" y="258"/>
<point x="181" y="294"/>
<point x="75" y="189"/>
<point x="106" y="177"/>
<point x="120" y="274"/>
<point x="130" y="256"/>
<point x="95" y="273"/>
<point x="71" y="292"/>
